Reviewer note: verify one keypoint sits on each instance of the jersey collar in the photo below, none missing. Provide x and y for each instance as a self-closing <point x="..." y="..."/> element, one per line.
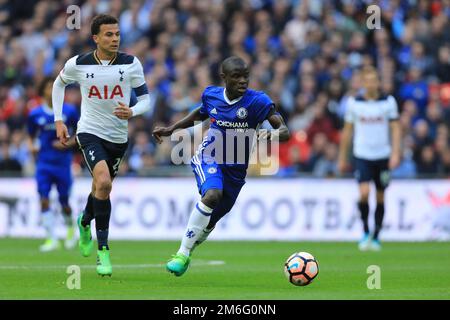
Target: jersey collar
<point x="228" y="100"/>
<point x="47" y="109"/>
<point x="98" y="59"/>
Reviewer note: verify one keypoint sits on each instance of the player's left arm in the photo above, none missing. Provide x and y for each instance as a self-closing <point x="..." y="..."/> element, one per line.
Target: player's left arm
<point x="280" y="130"/>
<point x="32" y="148"/>
<point x="31" y="130"/>
<point x="123" y="111"/>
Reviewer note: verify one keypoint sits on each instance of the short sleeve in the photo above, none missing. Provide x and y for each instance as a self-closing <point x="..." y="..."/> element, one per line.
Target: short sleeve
<point x="203" y="108"/>
<point x="137" y="74"/>
<point x="393" y="108"/>
<point x="263" y="107"/>
<point x="69" y="73"/>
<point x="349" y="113"/>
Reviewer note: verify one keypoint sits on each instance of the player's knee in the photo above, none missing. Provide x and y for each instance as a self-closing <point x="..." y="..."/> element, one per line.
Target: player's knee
<point x="103" y="184"/>
<point x="364" y="197"/>
<point x="364" y="194"/>
<point x="380" y="196"/>
<point x="212" y="197"/>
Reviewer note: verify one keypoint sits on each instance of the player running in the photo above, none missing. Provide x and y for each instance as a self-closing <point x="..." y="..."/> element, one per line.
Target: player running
<point x="53" y="164"/>
<point x="373" y="118"/>
<point x="232" y="110"/>
<point x="106" y="77"/>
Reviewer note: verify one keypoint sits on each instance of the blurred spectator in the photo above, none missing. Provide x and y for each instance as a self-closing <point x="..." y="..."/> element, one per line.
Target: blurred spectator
<point x="305" y="54"/>
<point x="416" y="89"/>
<point x="445" y="163"/>
<point x="141" y="148"/>
<point x="7" y="164"/>
<point x="443" y="64"/>
<point x="318" y="146"/>
<point x="326" y="166"/>
<point x="427" y="162"/>
<point x="321" y="123"/>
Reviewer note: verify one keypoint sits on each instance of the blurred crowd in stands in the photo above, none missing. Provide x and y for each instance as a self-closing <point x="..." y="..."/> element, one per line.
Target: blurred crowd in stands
<point x="304" y="53"/>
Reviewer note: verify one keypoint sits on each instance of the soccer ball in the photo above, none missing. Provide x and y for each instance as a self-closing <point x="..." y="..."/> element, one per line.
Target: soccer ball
<point x="301" y="268"/>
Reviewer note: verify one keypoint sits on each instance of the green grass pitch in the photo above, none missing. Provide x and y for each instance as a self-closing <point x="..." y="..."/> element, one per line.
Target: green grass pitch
<point x="227" y="270"/>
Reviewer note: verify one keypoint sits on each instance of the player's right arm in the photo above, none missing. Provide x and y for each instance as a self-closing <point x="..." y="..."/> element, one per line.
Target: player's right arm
<point x="346" y="136"/>
<point x="186" y="122"/>
<point x="65" y="77"/>
<point x="32" y="130"/>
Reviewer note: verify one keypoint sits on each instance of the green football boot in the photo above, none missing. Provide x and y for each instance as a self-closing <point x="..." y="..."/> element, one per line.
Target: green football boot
<point x="85" y="242"/>
<point x="104" y="267"/>
<point x="178" y="264"/>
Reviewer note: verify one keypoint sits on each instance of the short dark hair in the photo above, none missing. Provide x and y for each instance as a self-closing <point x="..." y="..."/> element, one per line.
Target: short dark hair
<point x="230" y="62"/>
<point x="101" y="19"/>
<point x="43" y="84"/>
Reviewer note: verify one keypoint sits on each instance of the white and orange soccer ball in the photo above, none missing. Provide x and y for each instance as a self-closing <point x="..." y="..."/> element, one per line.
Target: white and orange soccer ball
<point x="301" y="268"/>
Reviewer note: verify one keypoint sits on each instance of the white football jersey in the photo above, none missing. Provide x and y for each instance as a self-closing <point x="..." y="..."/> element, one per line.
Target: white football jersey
<point x="370" y="119"/>
<point x="103" y="84"/>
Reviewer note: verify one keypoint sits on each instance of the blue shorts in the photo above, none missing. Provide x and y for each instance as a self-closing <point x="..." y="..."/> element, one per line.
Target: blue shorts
<point x="61" y="176"/>
<point x="373" y="170"/>
<point x="214" y="176"/>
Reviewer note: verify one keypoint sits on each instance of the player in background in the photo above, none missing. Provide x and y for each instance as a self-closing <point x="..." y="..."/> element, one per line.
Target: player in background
<point x="53" y="164"/>
<point x="373" y="120"/>
<point x="231" y="111"/>
<point x="106" y="77"/>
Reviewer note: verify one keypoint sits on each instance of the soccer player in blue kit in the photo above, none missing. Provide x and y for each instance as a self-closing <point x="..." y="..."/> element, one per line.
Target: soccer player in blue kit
<point x="53" y="164"/>
<point x="232" y="110"/>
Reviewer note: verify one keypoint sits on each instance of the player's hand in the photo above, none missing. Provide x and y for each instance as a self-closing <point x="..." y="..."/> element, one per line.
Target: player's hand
<point x="159" y="132"/>
<point x="34" y="151"/>
<point x="394" y="161"/>
<point x="264" y="134"/>
<point x="58" y="145"/>
<point x="61" y="132"/>
<point x="122" y="111"/>
<point x="63" y="147"/>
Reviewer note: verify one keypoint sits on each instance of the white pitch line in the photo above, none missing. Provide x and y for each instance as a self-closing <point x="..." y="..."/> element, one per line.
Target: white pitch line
<point x="116" y="266"/>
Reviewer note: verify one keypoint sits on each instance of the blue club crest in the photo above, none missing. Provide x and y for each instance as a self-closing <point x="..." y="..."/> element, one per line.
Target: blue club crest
<point x="242" y="113"/>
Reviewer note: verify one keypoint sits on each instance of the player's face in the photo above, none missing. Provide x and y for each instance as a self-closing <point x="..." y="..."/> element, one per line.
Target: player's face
<point x="108" y="38"/>
<point x="371" y="82"/>
<point x="236" y="80"/>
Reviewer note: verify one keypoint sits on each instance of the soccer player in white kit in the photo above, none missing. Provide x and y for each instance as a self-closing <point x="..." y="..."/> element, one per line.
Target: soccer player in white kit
<point x="106" y="78"/>
<point x="373" y="120"/>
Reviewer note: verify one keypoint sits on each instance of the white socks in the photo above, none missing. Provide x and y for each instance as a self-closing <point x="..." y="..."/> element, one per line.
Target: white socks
<point x="48" y="222"/>
<point x="202" y="237"/>
<point x="198" y="221"/>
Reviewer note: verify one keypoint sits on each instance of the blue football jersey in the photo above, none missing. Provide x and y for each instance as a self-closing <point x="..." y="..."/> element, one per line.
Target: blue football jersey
<point x="232" y="122"/>
<point x="41" y="123"/>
